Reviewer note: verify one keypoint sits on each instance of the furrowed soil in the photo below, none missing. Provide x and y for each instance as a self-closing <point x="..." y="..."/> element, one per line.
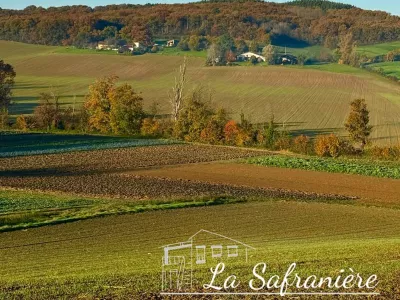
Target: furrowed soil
<point x="103" y="173"/>
<point x="369" y="189"/>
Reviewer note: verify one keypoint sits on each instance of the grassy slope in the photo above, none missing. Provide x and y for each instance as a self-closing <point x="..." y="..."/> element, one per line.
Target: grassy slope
<point x="121" y="255"/>
<point x="308" y="51"/>
<point x="378" y="49"/>
<point x="28" y="209"/>
<point x="306" y="99"/>
<point x="389" y="68"/>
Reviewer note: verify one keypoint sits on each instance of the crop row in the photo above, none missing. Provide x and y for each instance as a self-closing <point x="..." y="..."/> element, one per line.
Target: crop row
<point x="376" y="169"/>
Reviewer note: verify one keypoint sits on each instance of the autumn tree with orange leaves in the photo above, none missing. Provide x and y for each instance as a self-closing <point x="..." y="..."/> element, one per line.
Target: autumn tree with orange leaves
<point x="113" y="109"/>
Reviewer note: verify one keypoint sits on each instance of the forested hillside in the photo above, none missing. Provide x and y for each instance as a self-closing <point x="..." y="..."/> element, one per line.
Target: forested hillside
<point x="251" y="20"/>
<point x="324" y="4"/>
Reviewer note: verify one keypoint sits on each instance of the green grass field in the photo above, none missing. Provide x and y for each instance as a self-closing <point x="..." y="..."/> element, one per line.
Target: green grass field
<point x="378" y="49"/>
<point x="26" y="209"/>
<point x="313" y="99"/>
<point x="389" y="68"/>
<point x="308" y="51"/>
<point x="120" y="255"/>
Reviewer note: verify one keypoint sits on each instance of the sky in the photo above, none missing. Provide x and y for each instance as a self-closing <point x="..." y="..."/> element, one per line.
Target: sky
<point x="387" y="5"/>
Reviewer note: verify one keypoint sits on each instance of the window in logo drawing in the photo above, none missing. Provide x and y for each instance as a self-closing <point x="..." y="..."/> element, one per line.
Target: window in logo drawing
<point x="200" y="255"/>
<point x="232" y="251"/>
<point x="216" y="251"/>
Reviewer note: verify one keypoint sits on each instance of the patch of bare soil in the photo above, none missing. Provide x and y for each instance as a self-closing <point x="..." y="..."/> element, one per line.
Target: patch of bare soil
<point x="369" y="189"/>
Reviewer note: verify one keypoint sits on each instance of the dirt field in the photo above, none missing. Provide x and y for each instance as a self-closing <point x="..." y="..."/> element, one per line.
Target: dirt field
<point x="369" y="189"/>
<point x="108" y="173"/>
<point x="183" y="171"/>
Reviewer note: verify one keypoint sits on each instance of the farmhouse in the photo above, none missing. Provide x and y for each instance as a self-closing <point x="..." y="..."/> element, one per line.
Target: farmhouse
<point x="172" y="43"/>
<point x="246" y="56"/>
<point x="205" y="248"/>
<point x="104" y="46"/>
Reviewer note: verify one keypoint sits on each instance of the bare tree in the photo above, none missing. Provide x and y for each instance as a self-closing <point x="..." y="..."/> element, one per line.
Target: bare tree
<point x="176" y="97"/>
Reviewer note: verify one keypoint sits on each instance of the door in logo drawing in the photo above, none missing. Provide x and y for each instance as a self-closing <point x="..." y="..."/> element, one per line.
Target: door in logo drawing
<point x="200" y="255"/>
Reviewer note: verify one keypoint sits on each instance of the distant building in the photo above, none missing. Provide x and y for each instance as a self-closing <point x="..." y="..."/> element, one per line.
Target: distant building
<point x="106" y="46"/>
<point x="287" y="59"/>
<point x="139" y="45"/>
<point x="246" y="56"/>
<point x="102" y="46"/>
<point x="172" y="43"/>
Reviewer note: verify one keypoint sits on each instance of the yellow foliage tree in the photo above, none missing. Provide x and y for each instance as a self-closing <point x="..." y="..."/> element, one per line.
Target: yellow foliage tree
<point x="98" y="104"/>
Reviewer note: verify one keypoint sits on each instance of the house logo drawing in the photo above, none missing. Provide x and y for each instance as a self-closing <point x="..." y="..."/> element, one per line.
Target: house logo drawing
<point x="181" y="260"/>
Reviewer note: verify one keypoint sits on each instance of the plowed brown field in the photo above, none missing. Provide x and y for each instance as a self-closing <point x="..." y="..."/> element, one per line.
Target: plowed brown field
<point x="369" y="189"/>
<point x="107" y="173"/>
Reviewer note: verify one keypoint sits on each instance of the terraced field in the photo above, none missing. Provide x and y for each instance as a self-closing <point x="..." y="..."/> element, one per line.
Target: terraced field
<point x="306" y="100"/>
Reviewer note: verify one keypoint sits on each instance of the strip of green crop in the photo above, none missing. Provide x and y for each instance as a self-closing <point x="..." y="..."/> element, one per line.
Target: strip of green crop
<point x="17" y="219"/>
<point x="359" y="167"/>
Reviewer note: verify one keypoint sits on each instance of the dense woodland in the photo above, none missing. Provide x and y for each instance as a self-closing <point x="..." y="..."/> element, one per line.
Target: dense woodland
<point x="248" y="20"/>
<point x="323" y="4"/>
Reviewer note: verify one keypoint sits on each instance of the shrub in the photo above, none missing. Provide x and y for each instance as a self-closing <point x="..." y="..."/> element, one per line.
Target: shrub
<point x="213" y="133"/>
<point x="283" y="142"/>
<point x="244" y="138"/>
<point x="154" y="49"/>
<point x="260" y="138"/>
<point x="194" y="116"/>
<point x="166" y="128"/>
<point x="69" y="119"/>
<point x="270" y="134"/>
<point x="150" y="127"/>
<point x="231" y="132"/>
<point x="247" y="136"/>
<point x="327" y="145"/>
<point x="385" y="153"/>
<point x="302" y="144"/>
<point x="21" y="123"/>
<point x="48" y="113"/>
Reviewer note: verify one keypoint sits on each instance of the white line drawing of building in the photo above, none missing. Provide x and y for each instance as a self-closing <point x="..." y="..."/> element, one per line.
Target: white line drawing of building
<point x="180" y="259"/>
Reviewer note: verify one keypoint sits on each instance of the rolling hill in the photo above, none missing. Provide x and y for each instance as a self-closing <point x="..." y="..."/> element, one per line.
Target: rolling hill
<point x="310" y="99"/>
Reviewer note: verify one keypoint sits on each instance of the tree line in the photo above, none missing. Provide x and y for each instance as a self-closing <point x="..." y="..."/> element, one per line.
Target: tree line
<point x="324" y="4"/>
<point x="82" y="26"/>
